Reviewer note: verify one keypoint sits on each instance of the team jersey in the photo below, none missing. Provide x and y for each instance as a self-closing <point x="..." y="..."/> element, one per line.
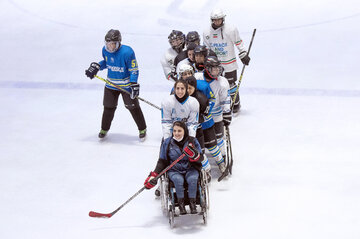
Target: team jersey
<point x="172" y="110"/>
<point x="220" y="88"/>
<point x="205" y="88"/>
<point x="222" y="42"/>
<point x="167" y="62"/>
<point x="122" y="67"/>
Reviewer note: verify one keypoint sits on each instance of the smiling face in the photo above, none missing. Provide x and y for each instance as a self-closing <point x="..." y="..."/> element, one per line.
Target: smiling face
<point x="178" y="132"/>
<point x="180" y="90"/>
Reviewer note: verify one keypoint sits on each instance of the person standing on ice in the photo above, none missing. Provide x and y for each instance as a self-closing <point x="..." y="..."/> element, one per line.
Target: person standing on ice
<point x="187" y="169"/>
<point x="222" y="39"/>
<point x="123" y="72"/>
<point x="221" y="112"/>
<point x="177" y="43"/>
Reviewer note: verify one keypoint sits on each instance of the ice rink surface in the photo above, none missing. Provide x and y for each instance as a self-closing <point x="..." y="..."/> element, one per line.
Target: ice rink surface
<point x="295" y="142"/>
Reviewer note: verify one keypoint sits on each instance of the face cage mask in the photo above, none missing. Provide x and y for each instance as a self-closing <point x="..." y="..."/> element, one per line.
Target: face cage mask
<point x="174" y="41"/>
<point x="209" y="70"/>
<point x="116" y="47"/>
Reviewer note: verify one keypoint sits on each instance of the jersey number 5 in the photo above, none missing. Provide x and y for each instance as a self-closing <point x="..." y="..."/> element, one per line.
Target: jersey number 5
<point x="133" y="63"/>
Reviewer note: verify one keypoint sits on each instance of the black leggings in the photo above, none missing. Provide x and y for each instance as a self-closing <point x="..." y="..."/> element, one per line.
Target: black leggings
<point x="110" y="103"/>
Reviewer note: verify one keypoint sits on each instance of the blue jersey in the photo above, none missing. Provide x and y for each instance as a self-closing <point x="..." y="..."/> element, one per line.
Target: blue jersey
<point x="204" y="88"/>
<point x="121" y="65"/>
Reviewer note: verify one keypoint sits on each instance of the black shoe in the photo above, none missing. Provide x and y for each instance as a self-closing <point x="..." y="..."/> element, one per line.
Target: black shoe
<point x="236" y="108"/>
<point x="193" y="206"/>
<point x="182" y="206"/>
<point x="102" y="133"/>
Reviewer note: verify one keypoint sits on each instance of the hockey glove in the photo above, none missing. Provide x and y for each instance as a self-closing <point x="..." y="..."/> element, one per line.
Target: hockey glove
<point x="209" y="108"/>
<point x="227" y="118"/>
<point x="93" y="70"/>
<point x="191" y="152"/>
<point x="150" y="181"/>
<point x="134" y="90"/>
<point x="244" y="57"/>
<point x="172" y="76"/>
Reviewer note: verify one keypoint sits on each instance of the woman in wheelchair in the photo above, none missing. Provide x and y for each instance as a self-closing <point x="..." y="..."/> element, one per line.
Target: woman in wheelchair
<point x="187" y="168"/>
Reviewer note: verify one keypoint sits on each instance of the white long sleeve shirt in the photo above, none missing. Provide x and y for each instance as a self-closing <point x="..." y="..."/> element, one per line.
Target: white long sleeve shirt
<point x="167" y="62"/>
<point x="223" y="42"/>
<point x="172" y="110"/>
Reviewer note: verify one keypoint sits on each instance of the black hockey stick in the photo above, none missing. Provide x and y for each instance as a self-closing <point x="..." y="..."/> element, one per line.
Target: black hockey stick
<point x="242" y="71"/>
<point x="108" y="215"/>
<point x="123" y="90"/>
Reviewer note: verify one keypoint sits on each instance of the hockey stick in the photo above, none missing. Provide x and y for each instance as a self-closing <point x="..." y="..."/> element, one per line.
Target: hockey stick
<point x="229" y="149"/>
<point x="229" y="155"/>
<point x="123" y="90"/>
<point x="108" y="215"/>
<point x="242" y="72"/>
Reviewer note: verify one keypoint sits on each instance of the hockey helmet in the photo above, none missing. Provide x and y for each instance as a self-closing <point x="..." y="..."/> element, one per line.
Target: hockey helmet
<point x="193" y="36"/>
<point x="184" y="68"/>
<point x="112" y="37"/>
<point x="177" y="40"/>
<point x="217" y="14"/>
<point x="212" y="66"/>
<point x="201" y="49"/>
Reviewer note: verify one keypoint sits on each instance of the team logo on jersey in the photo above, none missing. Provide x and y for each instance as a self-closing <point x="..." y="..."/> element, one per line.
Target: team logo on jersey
<point x="215" y="35"/>
<point x="112" y="60"/>
<point x="182" y="110"/>
<point x="207" y="37"/>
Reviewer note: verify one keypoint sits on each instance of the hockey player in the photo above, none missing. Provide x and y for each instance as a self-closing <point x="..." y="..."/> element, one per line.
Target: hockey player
<point x="187" y="169"/>
<point x="177" y="43"/>
<point x="200" y="53"/>
<point x="221" y="112"/>
<point x="192" y="37"/>
<point x="222" y="38"/>
<point x="179" y="107"/>
<point x="190" y="58"/>
<point x="123" y="72"/>
<point x="185" y="71"/>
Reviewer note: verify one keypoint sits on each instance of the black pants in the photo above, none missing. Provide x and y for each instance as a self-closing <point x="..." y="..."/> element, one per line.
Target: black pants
<point x="110" y="103"/>
<point x="231" y="77"/>
<point x="200" y="138"/>
<point x="210" y="137"/>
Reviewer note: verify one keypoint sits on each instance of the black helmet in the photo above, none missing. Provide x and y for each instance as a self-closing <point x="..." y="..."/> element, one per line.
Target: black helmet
<point x="113" y="35"/>
<point x="177" y="35"/>
<point x="201" y="49"/>
<point x="192" y="36"/>
<point x="211" y="62"/>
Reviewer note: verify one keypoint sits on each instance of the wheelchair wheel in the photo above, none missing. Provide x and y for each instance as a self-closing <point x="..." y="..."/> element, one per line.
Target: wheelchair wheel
<point x="171" y="218"/>
<point x="205" y="218"/>
<point x="164" y="195"/>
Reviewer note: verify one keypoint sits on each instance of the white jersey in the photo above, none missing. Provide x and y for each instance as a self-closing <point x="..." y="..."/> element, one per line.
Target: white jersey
<point x="220" y="88"/>
<point x="167" y="62"/>
<point x="172" y="110"/>
<point x="222" y="42"/>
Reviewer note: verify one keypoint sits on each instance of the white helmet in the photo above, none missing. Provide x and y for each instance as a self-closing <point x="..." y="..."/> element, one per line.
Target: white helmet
<point x="217" y="14"/>
<point x="184" y="68"/>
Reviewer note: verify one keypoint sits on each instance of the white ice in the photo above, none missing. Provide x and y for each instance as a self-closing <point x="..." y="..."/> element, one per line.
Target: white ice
<point x="296" y="142"/>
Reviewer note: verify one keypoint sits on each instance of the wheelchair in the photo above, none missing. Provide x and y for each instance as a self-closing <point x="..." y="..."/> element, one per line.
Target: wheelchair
<point x="169" y="203"/>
